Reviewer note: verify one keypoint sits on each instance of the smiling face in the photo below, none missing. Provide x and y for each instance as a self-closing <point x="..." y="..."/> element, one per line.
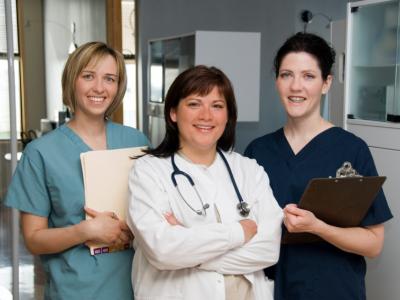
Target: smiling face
<point x="96" y="87"/>
<point x="300" y="85"/>
<point x="201" y="121"/>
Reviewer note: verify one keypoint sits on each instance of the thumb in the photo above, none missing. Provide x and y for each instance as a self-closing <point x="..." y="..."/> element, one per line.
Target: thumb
<point x="124" y="226"/>
<point x="292" y="209"/>
<point x="91" y="212"/>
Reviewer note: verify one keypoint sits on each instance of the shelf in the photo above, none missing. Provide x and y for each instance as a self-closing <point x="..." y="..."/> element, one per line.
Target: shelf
<point x="376" y="134"/>
<point x="377" y="66"/>
<point x="373" y="123"/>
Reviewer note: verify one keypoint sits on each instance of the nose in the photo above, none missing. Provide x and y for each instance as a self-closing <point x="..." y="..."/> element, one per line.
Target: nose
<point x="206" y="113"/>
<point x="295" y="84"/>
<point x="98" y="85"/>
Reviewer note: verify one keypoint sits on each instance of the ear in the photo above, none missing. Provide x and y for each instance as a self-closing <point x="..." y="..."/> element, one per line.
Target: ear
<point x="172" y="114"/>
<point x="327" y="84"/>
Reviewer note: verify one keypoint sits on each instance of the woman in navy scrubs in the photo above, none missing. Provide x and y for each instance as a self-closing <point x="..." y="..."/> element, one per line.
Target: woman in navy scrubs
<point x="307" y="147"/>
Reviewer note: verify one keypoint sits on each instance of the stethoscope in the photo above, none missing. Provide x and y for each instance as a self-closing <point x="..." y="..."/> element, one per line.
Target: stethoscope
<point x="242" y="206"/>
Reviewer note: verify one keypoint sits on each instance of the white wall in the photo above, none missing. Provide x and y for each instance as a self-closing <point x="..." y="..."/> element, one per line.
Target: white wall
<point x="90" y="19"/>
<point x="276" y="20"/>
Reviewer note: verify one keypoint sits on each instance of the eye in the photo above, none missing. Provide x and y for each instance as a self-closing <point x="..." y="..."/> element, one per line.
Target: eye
<point x="285" y="75"/>
<point x="309" y="76"/>
<point x="193" y="103"/>
<point x="87" y="76"/>
<point x="219" y="105"/>
<point x="110" y="79"/>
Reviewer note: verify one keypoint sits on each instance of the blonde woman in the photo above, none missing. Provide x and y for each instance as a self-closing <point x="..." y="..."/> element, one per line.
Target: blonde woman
<point x="47" y="186"/>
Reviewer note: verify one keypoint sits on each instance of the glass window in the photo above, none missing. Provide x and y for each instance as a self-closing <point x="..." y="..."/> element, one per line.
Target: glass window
<point x="130" y="117"/>
<point x="128" y="27"/>
<point x="4" y="100"/>
<point x="128" y="50"/>
<point x="4" y="92"/>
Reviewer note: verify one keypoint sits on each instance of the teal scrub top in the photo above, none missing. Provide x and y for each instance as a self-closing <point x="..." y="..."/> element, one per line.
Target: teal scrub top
<point x="48" y="183"/>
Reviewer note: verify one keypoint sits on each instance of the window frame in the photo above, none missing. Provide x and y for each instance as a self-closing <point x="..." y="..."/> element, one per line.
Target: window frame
<point x="17" y="60"/>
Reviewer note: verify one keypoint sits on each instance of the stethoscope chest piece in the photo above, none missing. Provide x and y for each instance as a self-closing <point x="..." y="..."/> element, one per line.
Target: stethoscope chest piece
<point x="243" y="209"/>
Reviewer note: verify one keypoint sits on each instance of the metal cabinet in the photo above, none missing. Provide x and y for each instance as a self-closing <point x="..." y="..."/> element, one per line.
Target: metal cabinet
<point x="237" y="54"/>
<point x="372" y="111"/>
<point x="373" y="84"/>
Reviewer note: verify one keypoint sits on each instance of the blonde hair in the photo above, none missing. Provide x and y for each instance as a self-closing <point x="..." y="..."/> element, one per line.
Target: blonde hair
<point x="86" y="54"/>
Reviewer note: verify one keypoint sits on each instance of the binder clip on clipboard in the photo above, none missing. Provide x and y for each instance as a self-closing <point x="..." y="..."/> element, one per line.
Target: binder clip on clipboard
<point x="342" y="201"/>
<point x="346" y="170"/>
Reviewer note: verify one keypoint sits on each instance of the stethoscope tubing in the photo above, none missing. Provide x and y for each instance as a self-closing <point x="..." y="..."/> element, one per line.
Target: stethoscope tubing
<point x="242" y="205"/>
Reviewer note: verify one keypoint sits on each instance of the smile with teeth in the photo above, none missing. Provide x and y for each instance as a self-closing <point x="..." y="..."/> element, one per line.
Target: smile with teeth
<point x="204" y="127"/>
<point x="296" y="99"/>
<point x="96" y="99"/>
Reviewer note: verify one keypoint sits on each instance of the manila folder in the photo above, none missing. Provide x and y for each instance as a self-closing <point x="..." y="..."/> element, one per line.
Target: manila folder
<point x="105" y="178"/>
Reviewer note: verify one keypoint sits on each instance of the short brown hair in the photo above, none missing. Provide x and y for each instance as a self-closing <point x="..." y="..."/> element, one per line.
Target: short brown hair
<point x="198" y="80"/>
<point x="91" y="52"/>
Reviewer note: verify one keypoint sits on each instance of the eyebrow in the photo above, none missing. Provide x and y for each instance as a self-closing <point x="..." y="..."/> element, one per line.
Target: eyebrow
<point x="112" y="75"/>
<point x="198" y="99"/>
<point x="302" y="71"/>
<point x="92" y="72"/>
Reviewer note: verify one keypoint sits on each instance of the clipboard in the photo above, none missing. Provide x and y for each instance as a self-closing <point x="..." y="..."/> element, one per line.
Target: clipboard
<point x="341" y="202"/>
<point x="105" y="179"/>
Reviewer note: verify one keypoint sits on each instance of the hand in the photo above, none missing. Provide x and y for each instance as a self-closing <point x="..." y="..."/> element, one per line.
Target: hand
<point x="126" y="235"/>
<point x="171" y="219"/>
<point x="249" y="229"/>
<point x="104" y="227"/>
<point x="299" y="220"/>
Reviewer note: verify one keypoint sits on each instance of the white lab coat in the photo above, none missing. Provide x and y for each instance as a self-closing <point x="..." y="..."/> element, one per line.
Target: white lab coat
<point x="188" y="262"/>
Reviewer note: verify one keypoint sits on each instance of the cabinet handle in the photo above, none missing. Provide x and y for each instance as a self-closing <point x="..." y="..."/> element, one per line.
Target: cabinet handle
<point x="342" y="62"/>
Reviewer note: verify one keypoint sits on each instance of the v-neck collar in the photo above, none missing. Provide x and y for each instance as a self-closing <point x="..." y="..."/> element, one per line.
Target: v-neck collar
<point x="308" y="149"/>
<point x="77" y="140"/>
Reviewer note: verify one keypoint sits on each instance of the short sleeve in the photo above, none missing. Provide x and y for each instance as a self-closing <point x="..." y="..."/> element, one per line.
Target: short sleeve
<point x="379" y="211"/>
<point x="27" y="191"/>
<point x="124" y="136"/>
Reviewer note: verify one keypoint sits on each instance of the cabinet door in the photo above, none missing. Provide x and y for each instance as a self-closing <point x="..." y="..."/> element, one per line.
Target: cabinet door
<point x="383" y="272"/>
<point x="237" y="54"/>
<point x="336" y="92"/>
<point x="372" y="50"/>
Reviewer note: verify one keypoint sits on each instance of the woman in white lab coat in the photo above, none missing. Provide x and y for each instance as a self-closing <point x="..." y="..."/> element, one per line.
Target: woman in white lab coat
<point x="205" y="221"/>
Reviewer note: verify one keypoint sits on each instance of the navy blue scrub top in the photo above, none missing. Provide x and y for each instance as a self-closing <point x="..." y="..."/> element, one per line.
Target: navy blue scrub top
<point x="319" y="270"/>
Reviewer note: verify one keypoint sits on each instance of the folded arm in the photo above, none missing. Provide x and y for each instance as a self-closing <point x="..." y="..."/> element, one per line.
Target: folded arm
<point x="169" y="247"/>
<point x="263" y="249"/>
